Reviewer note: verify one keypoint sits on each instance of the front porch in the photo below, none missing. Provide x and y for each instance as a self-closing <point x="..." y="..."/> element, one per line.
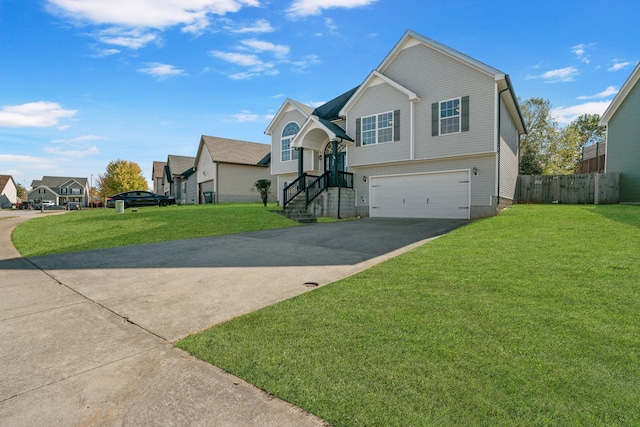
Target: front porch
<point x="310" y="196"/>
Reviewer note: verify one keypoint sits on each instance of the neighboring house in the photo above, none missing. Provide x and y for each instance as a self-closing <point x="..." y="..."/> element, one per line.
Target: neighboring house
<point x="622" y="119"/>
<point x="8" y="191"/>
<point x="227" y="169"/>
<point x="158" y="177"/>
<point x="180" y="180"/>
<point x="430" y="133"/>
<point x="59" y="190"/>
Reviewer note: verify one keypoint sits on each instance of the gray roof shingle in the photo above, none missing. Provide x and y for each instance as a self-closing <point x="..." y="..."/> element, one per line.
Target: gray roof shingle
<point x="225" y="150"/>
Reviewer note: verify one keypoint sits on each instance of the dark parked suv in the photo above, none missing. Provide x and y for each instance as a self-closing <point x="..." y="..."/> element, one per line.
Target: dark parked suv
<point x="140" y="198"/>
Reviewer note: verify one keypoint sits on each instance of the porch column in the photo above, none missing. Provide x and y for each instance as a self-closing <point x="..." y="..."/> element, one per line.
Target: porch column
<point x="300" y="167"/>
<point x="334" y="166"/>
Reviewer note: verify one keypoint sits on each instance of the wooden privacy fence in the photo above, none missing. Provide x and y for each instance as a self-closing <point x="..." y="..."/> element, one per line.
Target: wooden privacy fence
<point x="597" y="188"/>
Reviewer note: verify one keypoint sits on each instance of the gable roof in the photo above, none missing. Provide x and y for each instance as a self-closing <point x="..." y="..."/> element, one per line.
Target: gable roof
<point x="372" y="77"/>
<point x="177" y="165"/>
<point x="503" y="81"/>
<point x="158" y="168"/>
<point x="411" y="37"/>
<point x="234" y="151"/>
<point x="621" y="96"/>
<point x="288" y="105"/>
<point x="4" y="180"/>
<point x="58" y="181"/>
<point x="331" y="110"/>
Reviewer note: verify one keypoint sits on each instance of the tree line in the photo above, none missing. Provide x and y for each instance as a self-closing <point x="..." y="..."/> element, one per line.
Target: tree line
<point x="548" y="148"/>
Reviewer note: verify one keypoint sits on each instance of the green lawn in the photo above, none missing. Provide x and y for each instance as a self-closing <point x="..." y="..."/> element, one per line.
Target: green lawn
<point x="103" y="228"/>
<point x="528" y="318"/>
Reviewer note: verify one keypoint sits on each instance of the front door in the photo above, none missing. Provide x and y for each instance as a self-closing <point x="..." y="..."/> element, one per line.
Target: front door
<point x="329" y="161"/>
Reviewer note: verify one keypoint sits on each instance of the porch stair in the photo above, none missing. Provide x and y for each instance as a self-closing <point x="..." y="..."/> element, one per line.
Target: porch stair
<point x="296" y="211"/>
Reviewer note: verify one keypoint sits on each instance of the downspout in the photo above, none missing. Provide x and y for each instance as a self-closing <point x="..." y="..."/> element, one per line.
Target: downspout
<point x="334" y="147"/>
<point x="412" y="143"/>
<point x="300" y="167"/>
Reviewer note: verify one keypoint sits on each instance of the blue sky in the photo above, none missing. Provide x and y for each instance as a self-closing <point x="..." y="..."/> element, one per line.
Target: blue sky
<point x="84" y="82"/>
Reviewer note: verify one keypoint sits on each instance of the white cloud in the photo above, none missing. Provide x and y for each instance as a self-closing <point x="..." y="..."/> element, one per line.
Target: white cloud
<point x="105" y="52"/>
<point x="263" y="46"/>
<point x="617" y="66"/>
<point x="161" y="71"/>
<point x="245" y="60"/>
<point x="609" y="91"/>
<point x="581" y="52"/>
<point x="75" y="154"/>
<point x="559" y="75"/>
<point x="245" y="116"/>
<point x="29" y="162"/>
<point x="34" y="114"/>
<point x="82" y="138"/>
<point x="146" y="13"/>
<point x="132" y="39"/>
<point x="301" y="8"/>
<point x="565" y="115"/>
<point x="254" y="65"/>
<point x="260" y="26"/>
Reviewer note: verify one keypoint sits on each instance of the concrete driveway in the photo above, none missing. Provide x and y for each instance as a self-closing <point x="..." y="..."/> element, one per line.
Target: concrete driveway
<point x="87" y="337"/>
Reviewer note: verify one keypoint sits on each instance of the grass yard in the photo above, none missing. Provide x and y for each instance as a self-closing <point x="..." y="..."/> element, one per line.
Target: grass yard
<point x="528" y="318"/>
<point x="102" y="228"/>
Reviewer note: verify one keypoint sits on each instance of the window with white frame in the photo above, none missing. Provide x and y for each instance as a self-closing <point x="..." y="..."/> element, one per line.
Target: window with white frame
<point x="377" y="129"/>
<point x="288" y="133"/>
<point x="450" y="116"/>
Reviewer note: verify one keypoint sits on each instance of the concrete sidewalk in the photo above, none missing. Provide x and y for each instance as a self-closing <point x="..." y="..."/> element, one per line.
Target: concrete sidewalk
<point x="87" y="337"/>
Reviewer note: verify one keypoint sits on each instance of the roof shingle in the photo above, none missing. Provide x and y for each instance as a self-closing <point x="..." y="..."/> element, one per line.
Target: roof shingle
<point x="224" y="150"/>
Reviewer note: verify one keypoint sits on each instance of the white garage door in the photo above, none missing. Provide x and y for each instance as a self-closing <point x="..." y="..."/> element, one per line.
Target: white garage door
<point x="429" y="195"/>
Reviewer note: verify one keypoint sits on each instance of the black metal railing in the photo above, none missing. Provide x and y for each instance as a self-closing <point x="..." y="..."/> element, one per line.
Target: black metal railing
<point x="313" y="185"/>
<point x="316" y="187"/>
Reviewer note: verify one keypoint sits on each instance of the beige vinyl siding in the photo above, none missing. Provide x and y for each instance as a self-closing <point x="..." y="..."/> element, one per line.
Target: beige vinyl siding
<point x="508" y="154"/>
<point x="190" y="196"/>
<point x="623" y="146"/>
<point x="381" y="98"/>
<point x="436" y="77"/>
<point x="236" y="182"/>
<point x="279" y="167"/>
<point x="206" y="169"/>
<point x="482" y="186"/>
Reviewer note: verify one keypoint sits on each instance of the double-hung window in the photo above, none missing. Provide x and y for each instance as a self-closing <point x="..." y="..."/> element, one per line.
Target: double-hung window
<point x="377" y="129"/>
<point x="288" y="133"/>
<point x="450" y="116"/>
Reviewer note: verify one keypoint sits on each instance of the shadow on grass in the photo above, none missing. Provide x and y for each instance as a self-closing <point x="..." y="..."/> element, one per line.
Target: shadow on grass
<point x="625" y="214"/>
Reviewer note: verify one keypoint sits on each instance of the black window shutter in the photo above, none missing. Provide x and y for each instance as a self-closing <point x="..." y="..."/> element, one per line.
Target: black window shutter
<point x="434" y="120"/>
<point x="464" y="126"/>
<point x="358" y="136"/>
<point x="396" y="125"/>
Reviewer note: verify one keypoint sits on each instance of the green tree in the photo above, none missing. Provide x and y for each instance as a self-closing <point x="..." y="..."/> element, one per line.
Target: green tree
<point x="564" y="153"/>
<point x="121" y="175"/>
<point x="542" y="137"/>
<point x="21" y="191"/>
<point x="263" y="186"/>
<point x="584" y="131"/>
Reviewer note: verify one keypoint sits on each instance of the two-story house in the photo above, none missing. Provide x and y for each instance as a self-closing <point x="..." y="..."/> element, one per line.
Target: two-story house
<point x="430" y="133"/>
<point x="60" y="190"/>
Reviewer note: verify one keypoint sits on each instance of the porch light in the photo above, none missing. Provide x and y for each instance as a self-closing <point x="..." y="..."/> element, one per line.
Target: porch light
<point x="475" y="171"/>
<point x="364" y="178"/>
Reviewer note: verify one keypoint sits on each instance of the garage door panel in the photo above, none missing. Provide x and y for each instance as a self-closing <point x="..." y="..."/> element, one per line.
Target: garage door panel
<point x="433" y="195"/>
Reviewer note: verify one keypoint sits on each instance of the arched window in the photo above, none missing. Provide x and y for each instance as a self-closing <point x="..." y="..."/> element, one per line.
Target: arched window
<point x="288" y="133"/>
